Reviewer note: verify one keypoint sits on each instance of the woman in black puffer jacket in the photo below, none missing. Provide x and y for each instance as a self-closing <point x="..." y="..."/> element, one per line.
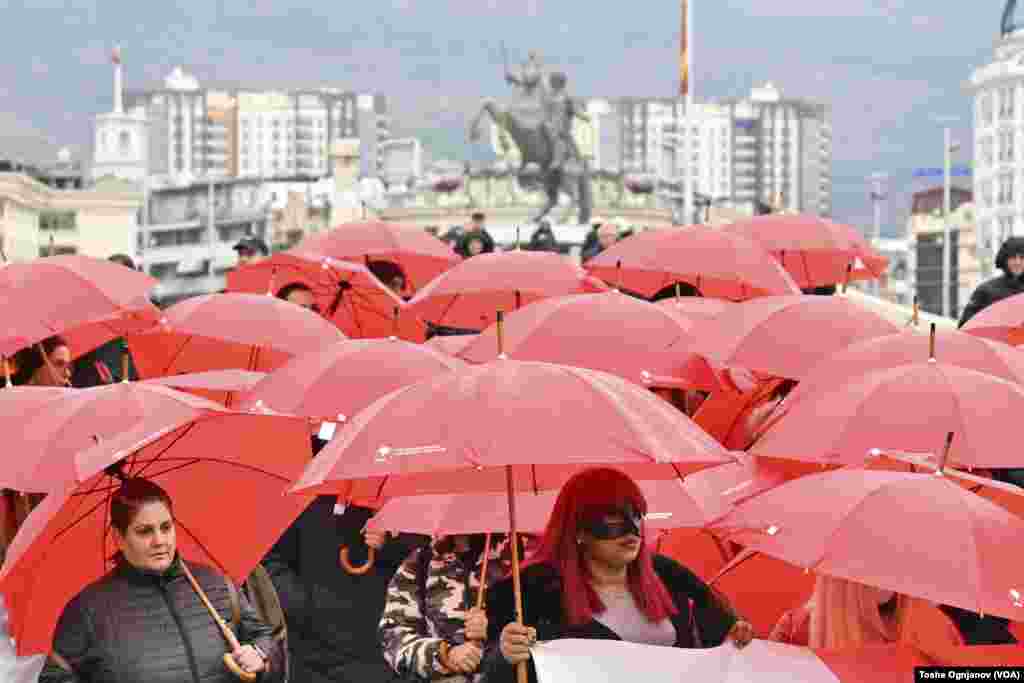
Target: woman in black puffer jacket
<point x="144" y="623"/>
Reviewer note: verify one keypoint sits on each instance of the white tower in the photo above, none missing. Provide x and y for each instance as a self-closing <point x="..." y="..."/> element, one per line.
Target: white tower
<point x="121" y="143"/>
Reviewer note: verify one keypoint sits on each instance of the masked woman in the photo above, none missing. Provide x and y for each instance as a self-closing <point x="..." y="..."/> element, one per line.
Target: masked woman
<point x="594" y="576"/>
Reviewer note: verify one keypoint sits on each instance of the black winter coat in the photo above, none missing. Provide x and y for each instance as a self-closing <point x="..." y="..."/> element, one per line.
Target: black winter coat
<point x="136" y="627"/>
<point x="989" y="292"/>
<point x="542" y="609"/>
<point x="462" y="246"/>
<point x="333" y="616"/>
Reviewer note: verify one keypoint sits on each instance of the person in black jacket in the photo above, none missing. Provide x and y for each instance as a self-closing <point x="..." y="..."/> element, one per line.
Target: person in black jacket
<point x="332" y="614"/>
<point x="144" y="622"/>
<point x="594" y="576"/>
<point x="1010" y="260"/>
<point x="105" y="364"/>
<point x="475" y="231"/>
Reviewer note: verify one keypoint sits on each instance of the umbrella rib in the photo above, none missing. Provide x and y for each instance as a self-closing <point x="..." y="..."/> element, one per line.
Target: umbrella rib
<point x="177" y="354"/>
<point x="860" y="504"/>
<point x="169" y="446"/>
<point x="202" y="546"/>
<point x="533" y="470"/>
<point x="233" y="463"/>
<point x="451" y="304"/>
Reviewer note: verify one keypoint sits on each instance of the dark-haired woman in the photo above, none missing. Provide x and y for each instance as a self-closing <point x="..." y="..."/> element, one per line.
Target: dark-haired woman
<point x="1010" y="260"/>
<point x="46" y="364"/>
<point x="144" y="622"/>
<point x="594" y="576"/>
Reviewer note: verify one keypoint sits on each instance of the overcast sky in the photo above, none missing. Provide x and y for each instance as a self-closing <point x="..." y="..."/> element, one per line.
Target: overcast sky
<point x="886" y="68"/>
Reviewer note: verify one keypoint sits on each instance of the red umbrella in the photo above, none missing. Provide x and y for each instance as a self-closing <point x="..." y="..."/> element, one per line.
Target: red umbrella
<point x="785" y="336"/>
<point x="586" y="330"/>
<point x="420" y="255"/>
<point x="229" y="331"/>
<point x="469" y="295"/>
<point x="45" y="427"/>
<point x="451" y="344"/>
<point x="670" y="504"/>
<point x="918" y="534"/>
<point x="906" y="408"/>
<point x="338" y="381"/>
<point x="347" y="294"/>
<point x="878" y="353"/>
<point x="697" y="307"/>
<point x="718" y="264"/>
<point x="1002" y="321"/>
<point x="219" y="386"/>
<point x="58" y="294"/>
<point x="816" y="251"/>
<point x="459" y="429"/>
<point x="65" y="543"/>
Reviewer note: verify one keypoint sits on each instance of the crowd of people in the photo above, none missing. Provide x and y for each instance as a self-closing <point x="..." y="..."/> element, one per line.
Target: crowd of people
<point x="344" y="604"/>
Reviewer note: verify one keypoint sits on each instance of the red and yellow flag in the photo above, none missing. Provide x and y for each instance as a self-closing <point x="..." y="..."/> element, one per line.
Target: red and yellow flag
<point x="684" y="55"/>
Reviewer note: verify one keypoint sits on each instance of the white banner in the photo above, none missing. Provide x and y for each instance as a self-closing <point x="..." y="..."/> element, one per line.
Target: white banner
<point x="14" y="669"/>
<point x="613" y="661"/>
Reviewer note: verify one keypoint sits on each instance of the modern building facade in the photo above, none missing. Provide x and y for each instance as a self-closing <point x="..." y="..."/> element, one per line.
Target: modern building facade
<point x="925" y="229"/>
<point x="197" y="132"/>
<point x="998" y="92"/>
<point x="401" y="161"/>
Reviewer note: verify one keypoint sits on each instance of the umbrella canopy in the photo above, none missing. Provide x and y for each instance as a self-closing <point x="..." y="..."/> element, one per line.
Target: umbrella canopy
<point x="941" y="542"/>
<point x="229" y="331"/>
<point x="456" y="432"/>
<point x="418" y="253"/>
<point x="338" y="381"/>
<point x="58" y="294"/>
<point x="1002" y="321"/>
<point x="696" y="307"/>
<point x="451" y="344"/>
<point x="785" y="336"/>
<point x="586" y="330"/>
<point x="345" y="293"/>
<point x="879" y="353"/>
<point x="670" y="504"/>
<point x="469" y="295"/>
<point x="45" y="427"/>
<point x="220" y="386"/>
<point x="817" y="252"/>
<point x="906" y="408"/>
<point x="66" y="543"/>
<point x="718" y="264"/>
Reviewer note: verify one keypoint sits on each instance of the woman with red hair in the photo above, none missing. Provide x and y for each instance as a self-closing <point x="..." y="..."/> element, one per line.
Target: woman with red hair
<point x="594" y="576"/>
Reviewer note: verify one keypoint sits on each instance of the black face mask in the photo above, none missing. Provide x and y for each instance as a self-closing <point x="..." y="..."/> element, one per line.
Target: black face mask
<point x="605" y="531"/>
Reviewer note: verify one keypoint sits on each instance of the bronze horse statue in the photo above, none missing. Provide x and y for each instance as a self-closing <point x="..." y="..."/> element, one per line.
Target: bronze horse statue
<point x="534" y="147"/>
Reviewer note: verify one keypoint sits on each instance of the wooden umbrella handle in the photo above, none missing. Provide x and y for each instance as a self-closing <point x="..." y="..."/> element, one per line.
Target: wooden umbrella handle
<point x="483" y="572"/>
<point x="229" y="636"/>
<point x="371" y="556"/>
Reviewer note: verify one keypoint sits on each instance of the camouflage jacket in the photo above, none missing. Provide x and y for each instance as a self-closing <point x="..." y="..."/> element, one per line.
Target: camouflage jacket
<point x="412" y="627"/>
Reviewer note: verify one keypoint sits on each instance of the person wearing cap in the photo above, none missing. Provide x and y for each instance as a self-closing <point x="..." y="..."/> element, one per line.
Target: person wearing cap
<point x="1010" y="260"/>
<point x="475" y="232"/>
<point x="607" y="234"/>
<point x="251" y="249"/>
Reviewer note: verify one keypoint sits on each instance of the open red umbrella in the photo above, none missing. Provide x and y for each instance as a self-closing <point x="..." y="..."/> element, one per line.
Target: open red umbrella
<point x="338" y="381"/>
<point x="418" y="253"/>
<point x="456" y="432"/>
<point x="66" y="542"/>
<point x="469" y="295"/>
<point x="918" y="534"/>
<point x="878" y="353"/>
<point x="1002" y="321"/>
<point x="229" y="331"/>
<point x="587" y="330"/>
<point x="785" y="336"/>
<point x="45" y="427"/>
<point x="906" y="408"/>
<point x="220" y="386"/>
<point x="697" y="307"/>
<point x="816" y="251"/>
<point x="451" y="344"/>
<point x="718" y="264"/>
<point x="58" y="294"/>
<point x="346" y="293"/>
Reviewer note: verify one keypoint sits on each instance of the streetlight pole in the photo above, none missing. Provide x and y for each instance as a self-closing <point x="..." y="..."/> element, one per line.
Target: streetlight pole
<point x="946" y="203"/>
<point x="878" y="195"/>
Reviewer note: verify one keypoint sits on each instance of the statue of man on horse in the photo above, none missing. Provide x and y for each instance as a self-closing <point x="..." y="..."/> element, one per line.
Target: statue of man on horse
<point x="545" y="139"/>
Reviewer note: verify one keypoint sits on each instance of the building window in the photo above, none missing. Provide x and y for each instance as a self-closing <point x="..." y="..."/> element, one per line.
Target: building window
<point x="1006" y="146"/>
<point x="1006" y="103"/>
<point x="986" y="194"/>
<point x="987" y="156"/>
<point x="1005" y="189"/>
<point x="1005" y="228"/>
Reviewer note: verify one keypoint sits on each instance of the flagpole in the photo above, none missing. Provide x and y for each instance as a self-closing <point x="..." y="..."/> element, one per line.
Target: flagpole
<point x="688" y="93"/>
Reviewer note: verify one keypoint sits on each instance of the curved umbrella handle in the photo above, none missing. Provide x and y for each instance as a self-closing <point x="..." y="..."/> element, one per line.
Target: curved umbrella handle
<point x="232" y="665"/>
<point x="371" y="556"/>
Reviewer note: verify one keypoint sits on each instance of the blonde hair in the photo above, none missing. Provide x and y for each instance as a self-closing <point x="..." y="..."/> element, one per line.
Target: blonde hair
<point x="845" y="614"/>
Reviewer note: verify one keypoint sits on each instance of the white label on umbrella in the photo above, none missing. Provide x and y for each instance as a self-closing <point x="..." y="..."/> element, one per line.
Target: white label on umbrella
<point x="327" y="430"/>
<point x="658" y="515"/>
<point x="339" y="508"/>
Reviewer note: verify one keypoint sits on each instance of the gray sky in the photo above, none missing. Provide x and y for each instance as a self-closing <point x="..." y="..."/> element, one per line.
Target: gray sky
<point x="885" y="67"/>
